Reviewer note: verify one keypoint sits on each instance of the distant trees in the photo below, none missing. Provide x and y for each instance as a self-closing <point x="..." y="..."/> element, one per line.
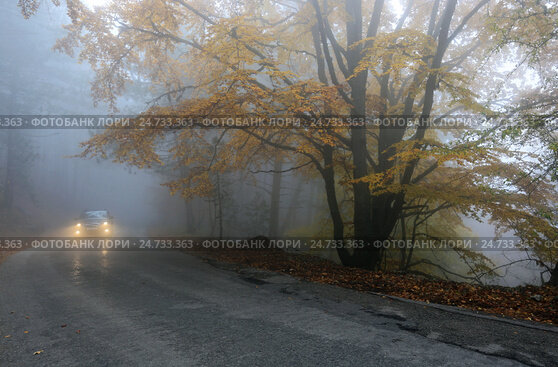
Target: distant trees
<point x="313" y="59"/>
<point x="16" y="160"/>
<point x="531" y="29"/>
<point x="16" y="155"/>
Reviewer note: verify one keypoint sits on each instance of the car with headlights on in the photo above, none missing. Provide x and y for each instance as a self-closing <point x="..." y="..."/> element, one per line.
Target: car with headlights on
<point x="94" y="223"/>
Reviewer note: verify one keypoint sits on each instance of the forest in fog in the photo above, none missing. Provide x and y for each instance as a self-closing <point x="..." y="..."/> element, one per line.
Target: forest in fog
<point x="330" y="65"/>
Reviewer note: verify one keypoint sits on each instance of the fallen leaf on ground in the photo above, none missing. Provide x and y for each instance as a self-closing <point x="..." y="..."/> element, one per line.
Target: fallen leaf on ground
<point x="63" y="325"/>
<point x="8" y="336"/>
<point x="38" y="352"/>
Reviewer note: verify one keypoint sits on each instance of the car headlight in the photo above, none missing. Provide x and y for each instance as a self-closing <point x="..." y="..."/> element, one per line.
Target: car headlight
<point x="106" y="230"/>
<point x="77" y="232"/>
<point x="105" y="223"/>
<point x="78" y="225"/>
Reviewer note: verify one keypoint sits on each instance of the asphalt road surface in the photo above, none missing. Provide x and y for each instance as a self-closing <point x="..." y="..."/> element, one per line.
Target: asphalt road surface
<point x="167" y="308"/>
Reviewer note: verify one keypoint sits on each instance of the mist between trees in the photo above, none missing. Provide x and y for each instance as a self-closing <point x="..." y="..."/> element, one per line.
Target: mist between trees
<point x="305" y="59"/>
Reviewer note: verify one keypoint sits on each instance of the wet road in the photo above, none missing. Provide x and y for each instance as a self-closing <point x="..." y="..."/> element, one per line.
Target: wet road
<point x="171" y="309"/>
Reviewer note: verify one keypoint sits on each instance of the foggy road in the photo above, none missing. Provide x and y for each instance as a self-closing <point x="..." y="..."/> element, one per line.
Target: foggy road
<point x="168" y="309"/>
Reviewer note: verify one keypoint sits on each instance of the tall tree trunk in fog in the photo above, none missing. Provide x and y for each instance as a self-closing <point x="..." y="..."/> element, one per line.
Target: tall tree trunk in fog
<point x="219" y="211"/>
<point x="328" y="175"/>
<point x="275" y="197"/>
<point x="189" y="217"/>
<point x="365" y="257"/>
<point x="8" y="185"/>
<point x="290" y="216"/>
<point x="311" y="212"/>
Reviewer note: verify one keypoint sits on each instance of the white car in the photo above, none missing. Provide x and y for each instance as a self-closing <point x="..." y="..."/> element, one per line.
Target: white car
<point x="94" y="223"/>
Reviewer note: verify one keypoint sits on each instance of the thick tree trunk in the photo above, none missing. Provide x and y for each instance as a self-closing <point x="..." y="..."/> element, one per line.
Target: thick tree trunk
<point x="328" y="175"/>
<point x="367" y="257"/>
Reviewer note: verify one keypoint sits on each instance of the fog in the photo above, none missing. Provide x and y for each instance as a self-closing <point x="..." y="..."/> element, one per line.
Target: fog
<point x="58" y="186"/>
<point x="52" y="186"/>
